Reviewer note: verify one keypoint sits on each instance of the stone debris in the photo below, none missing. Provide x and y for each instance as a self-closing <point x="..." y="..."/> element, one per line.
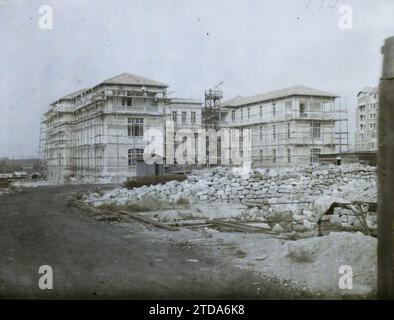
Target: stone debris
<point x="286" y="202"/>
<point x="289" y="199"/>
<point x="277" y="229"/>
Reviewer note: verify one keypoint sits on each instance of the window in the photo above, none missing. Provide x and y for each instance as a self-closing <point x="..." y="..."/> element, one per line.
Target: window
<point x="261" y="155"/>
<point x="130" y="157"/>
<point x="315" y="130"/>
<point x="248" y="113"/>
<point x="241" y="143"/>
<point x="174" y="116"/>
<point x="196" y="147"/>
<point x="288" y="155"/>
<point x="274" y="132"/>
<point x="127" y="102"/>
<point x="273" y="109"/>
<point x="134" y="155"/>
<point x="219" y="148"/>
<point x="274" y="155"/>
<point x="289" y="106"/>
<point x="261" y="133"/>
<point x="193" y="117"/>
<point x="261" y="111"/>
<point x="302" y="110"/>
<point x="184" y="140"/>
<point x="233" y="115"/>
<point x="242" y="114"/>
<point x="315" y="155"/>
<point x="183" y="117"/>
<point x="135" y="127"/>
<point x="288" y="131"/>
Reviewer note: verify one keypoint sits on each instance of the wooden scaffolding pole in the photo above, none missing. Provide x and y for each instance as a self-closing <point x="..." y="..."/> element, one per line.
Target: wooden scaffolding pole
<point x="386" y="174"/>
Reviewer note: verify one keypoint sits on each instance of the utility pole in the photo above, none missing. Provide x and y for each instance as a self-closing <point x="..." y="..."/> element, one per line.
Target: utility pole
<point x="386" y="173"/>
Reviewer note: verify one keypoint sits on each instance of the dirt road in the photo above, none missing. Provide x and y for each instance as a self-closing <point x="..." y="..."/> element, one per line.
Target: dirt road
<point x="92" y="259"/>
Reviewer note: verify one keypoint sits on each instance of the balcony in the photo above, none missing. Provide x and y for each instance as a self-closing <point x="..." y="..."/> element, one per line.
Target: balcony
<point x="153" y="110"/>
<point x="328" y="139"/>
<point x="311" y="116"/>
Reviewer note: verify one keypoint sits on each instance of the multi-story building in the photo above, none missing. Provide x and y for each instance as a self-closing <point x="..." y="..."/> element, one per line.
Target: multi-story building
<point x="184" y="119"/>
<point x="288" y="127"/>
<point x="106" y="132"/>
<point x="366" y="119"/>
<point x="100" y="132"/>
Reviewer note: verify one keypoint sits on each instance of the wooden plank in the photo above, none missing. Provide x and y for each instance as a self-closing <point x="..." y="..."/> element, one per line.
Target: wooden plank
<point x="105" y="214"/>
<point x="147" y="220"/>
<point x="238" y="226"/>
<point x="260" y="204"/>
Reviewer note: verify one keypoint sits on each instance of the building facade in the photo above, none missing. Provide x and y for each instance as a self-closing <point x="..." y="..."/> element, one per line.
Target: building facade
<point x="287" y="127"/>
<point x="183" y="121"/>
<point x="98" y="133"/>
<point x="367" y="119"/>
<point x="127" y="126"/>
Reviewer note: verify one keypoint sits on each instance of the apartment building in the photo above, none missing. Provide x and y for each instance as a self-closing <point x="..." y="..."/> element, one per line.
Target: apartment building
<point x="288" y="127"/>
<point x="366" y="119"/>
<point x="101" y="132"/>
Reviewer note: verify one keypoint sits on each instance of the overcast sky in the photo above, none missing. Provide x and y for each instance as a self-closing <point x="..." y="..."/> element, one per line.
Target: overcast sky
<point x="253" y="46"/>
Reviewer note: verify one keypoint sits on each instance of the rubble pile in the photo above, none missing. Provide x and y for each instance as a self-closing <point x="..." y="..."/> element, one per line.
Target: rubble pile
<point x="289" y="198"/>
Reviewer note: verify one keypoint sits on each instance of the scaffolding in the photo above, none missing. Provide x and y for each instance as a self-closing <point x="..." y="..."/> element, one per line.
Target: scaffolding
<point x="211" y="110"/>
<point x="211" y="120"/>
<point x="84" y="138"/>
<point x="42" y="150"/>
<point x="287" y="137"/>
<point x="94" y="142"/>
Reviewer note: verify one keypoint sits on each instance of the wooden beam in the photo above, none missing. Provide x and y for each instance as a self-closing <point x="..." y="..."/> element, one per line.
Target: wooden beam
<point x="238" y="226"/>
<point x="147" y="220"/>
<point x="386" y="173"/>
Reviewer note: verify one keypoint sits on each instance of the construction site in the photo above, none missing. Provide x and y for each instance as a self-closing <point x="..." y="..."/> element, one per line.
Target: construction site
<point x="229" y="150"/>
<point x="102" y="134"/>
<point x="243" y="175"/>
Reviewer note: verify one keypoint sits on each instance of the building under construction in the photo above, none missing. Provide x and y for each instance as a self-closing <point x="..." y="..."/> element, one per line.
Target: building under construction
<point x="98" y="133"/>
<point x="102" y="133"/>
<point x="288" y="127"/>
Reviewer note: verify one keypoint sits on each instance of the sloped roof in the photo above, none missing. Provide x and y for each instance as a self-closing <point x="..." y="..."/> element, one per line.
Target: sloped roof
<point x="71" y="95"/>
<point x="123" y="78"/>
<point x="368" y="90"/>
<point x="132" y="79"/>
<point x="286" y="92"/>
<point x="74" y="94"/>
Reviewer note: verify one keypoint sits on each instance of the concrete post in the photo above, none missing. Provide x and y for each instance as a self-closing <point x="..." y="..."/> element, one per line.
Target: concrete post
<point x="386" y="173"/>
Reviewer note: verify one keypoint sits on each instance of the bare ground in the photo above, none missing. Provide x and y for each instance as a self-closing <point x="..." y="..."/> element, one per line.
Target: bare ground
<point x="92" y="259"/>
